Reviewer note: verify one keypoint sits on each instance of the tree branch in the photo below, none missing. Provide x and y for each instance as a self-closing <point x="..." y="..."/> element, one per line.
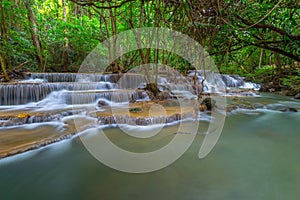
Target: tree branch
<point x="278" y="50"/>
<point x="92" y="3"/>
<point x="271" y="27"/>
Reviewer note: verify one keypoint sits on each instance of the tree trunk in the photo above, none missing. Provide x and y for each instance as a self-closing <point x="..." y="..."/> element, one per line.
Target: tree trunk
<point x="2" y="24"/>
<point x="65" y="56"/>
<point x="34" y="34"/>
<point x="3" y="67"/>
<point x="113" y="25"/>
<point x="4" y="37"/>
<point x="260" y="58"/>
<point x="137" y="36"/>
<point x="64" y="7"/>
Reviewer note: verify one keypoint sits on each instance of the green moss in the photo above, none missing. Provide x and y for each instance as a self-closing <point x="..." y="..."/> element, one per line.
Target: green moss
<point x="135" y="110"/>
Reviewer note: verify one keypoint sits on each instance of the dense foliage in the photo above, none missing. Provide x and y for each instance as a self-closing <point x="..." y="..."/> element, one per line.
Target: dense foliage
<point x="247" y="37"/>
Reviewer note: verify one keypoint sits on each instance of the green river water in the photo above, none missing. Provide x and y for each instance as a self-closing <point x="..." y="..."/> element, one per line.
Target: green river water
<point x="256" y="158"/>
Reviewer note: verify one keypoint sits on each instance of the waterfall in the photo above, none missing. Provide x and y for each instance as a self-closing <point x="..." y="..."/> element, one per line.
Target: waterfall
<point x="219" y="83"/>
<point x="22" y="93"/>
<point x="232" y="80"/>
<point x="85" y="77"/>
<point x="235" y="81"/>
<point x="39" y="85"/>
<point x="118" y="96"/>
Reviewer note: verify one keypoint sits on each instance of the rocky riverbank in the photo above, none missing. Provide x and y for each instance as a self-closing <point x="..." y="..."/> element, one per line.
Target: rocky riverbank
<point x="24" y="130"/>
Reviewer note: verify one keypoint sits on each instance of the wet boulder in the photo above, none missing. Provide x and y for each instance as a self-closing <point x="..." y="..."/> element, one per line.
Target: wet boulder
<point x="258" y="105"/>
<point x="164" y="95"/>
<point x="277" y="107"/>
<point x="209" y="103"/>
<point x="281" y="107"/>
<point x="242" y="103"/>
<point x="102" y="102"/>
<point x="293" y="110"/>
<point x="230" y="108"/>
<point x="297" y="96"/>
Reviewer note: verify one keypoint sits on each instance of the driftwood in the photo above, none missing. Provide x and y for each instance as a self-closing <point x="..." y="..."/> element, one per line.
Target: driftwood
<point x="21" y="65"/>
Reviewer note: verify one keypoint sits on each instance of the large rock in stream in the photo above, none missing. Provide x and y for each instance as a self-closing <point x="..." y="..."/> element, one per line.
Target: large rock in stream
<point x="209" y="103"/>
<point x="281" y="107"/>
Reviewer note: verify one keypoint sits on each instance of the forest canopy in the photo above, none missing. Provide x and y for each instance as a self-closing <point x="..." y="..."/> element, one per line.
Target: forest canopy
<point x="246" y="37"/>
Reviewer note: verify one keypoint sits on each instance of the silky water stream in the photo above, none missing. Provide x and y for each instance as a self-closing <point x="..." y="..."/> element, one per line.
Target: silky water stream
<point x="256" y="157"/>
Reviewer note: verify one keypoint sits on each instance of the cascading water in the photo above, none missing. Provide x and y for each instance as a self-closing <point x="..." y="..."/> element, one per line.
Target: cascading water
<point x="235" y="81"/>
<point x="15" y="94"/>
<point x="53" y="95"/>
<point x="34" y="89"/>
<point x="84" y="77"/>
<point x="212" y="83"/>
<point x="48" y="97"/>
<point x="232" y="80"/>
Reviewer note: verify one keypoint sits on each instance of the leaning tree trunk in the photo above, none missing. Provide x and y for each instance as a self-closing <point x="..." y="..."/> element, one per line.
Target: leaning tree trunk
<point x="34" y="34"/>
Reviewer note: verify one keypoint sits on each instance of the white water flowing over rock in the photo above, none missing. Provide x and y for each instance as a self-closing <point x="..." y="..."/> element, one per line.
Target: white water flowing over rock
<point x="220" y="80"/>
<point x="39" y="85"/>
<point x="33" y="80"/>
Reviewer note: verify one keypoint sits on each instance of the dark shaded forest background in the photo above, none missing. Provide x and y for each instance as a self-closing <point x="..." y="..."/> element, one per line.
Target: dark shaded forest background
<point x="258" y="39"/>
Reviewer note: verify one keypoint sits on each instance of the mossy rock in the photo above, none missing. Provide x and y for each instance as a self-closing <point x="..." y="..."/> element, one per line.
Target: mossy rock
<point x="135" y="110"/>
